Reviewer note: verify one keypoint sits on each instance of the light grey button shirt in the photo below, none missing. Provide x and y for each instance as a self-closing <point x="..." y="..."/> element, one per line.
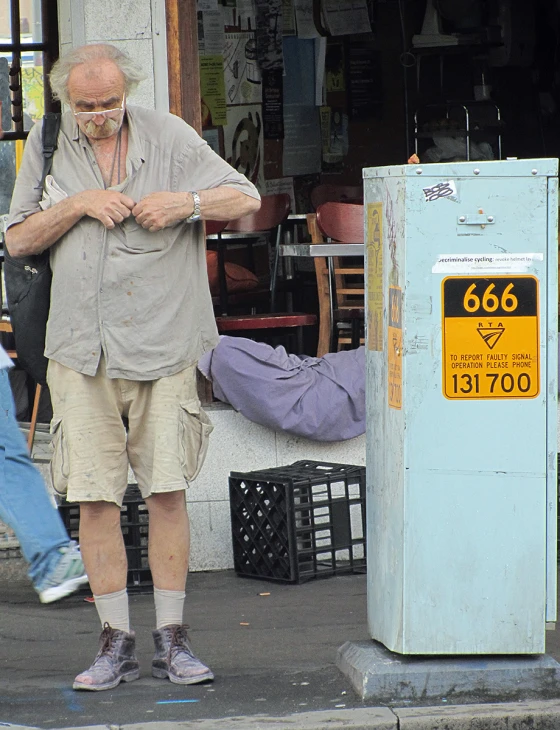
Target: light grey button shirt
<point x="141" y="298"/>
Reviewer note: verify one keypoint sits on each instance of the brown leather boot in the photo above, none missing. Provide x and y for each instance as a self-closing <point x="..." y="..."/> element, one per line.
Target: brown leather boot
<point x="115" y="661"/>
<point x="174" y="657"/>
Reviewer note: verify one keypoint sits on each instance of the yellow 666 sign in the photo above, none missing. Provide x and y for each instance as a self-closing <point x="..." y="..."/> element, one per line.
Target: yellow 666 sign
<point x="490" y="333"/>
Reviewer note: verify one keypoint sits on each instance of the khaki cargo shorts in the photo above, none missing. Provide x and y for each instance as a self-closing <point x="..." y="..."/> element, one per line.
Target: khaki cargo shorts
<point x="166" y="441"/>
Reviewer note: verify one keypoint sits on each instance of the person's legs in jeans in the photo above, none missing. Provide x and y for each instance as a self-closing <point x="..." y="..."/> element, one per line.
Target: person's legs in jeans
<point x="25" y="504"/>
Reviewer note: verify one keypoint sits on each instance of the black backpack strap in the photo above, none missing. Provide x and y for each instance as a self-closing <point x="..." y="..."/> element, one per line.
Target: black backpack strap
<point x="51" y="127"/>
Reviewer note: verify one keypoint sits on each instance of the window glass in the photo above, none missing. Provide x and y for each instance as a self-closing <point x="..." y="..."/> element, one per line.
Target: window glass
<point x="5" y="22"/>
<point x="33" y="88"/>
<point x="7" y="149"/>
<point x="30" y="21"/>
<point x="8" y="176"/>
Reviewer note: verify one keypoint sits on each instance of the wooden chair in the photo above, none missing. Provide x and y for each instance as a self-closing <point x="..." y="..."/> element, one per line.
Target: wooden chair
<point x="340" y="287"/>
<point x="215" y="228"/>
<point x="265" y="222"/>
<point x="329" y="193"/>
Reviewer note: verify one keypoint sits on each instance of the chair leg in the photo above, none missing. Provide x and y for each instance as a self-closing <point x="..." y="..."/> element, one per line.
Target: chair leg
<point x="356" y="327"/>
<point x="34" y="415"/>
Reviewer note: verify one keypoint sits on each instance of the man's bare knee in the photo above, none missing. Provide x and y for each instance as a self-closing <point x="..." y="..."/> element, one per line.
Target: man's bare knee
<point x="102" y="512"/>
<point x="167" y="503"/>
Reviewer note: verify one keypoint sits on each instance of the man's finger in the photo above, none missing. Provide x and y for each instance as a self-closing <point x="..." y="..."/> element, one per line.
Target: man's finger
<point x="124" y="212"/>
<point x="126" y="201"/>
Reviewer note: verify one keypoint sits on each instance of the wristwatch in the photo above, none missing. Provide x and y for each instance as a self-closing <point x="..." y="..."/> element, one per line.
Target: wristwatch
<point x="195" y="215"/>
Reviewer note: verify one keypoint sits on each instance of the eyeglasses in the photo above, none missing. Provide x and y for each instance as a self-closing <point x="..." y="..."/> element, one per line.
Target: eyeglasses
<point x="106" y="113"/>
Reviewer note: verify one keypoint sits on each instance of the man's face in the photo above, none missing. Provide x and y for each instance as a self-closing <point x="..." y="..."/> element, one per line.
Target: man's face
<point x="97" y="87"/>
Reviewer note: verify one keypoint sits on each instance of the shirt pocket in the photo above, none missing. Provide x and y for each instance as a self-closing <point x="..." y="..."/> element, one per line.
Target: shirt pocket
<point x="194" y="431"/>
<point x="59" y="467"/>
<point x="138" y="240"/>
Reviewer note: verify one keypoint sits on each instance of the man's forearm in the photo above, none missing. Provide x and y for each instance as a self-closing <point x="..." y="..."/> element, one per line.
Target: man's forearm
<point x="224" y="204"/>
<point x="40" y="230"/>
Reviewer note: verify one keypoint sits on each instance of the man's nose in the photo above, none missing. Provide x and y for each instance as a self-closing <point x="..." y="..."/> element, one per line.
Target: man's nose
<point x="99" y="119"/>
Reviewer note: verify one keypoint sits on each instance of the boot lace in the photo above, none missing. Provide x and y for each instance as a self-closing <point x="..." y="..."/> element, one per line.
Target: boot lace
<point x="178" y="642"/>
<point x="108" y="639"/>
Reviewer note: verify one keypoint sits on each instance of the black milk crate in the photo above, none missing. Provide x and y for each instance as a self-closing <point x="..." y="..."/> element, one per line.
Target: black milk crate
<point x="134" y="524"/>
<point x="299" y="522"/>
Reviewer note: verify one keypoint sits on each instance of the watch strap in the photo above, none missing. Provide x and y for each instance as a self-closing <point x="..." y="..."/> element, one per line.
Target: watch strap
<point x="195" y="215"/>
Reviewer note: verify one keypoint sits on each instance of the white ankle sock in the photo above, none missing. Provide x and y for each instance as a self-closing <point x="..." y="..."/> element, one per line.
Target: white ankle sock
<point x="169" y="607"/>
<point x="112" y="608"/>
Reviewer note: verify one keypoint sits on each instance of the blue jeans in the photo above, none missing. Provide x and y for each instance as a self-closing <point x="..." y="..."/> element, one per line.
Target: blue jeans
<point x="24" y="502"/>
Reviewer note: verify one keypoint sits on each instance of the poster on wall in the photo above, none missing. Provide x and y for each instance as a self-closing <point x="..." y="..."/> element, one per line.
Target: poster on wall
<point x="212" y="138"/>
<point x="334" y="137"/>
<point x="344" y="17"/>
<point x="210" y="27"/>
<point x="306" y="27"/>
<point x="365" y="97"/>
<point x="243" y="142"/>
<point x="299" y="76"/>
<point x="241" y="71"/>
<point x="246" y="13"/>
<point x="334" y="67"/>
<point x="269" y="34"/>
<point x="288" y="18"/>
<point x="273" y="115"/>
<point x="282" y="185"/>
<point x="212" y="91"/>
<point x="302" y="141"/>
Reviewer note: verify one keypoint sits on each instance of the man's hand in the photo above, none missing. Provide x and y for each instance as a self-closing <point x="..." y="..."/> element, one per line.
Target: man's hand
<point x="161" y="210"/>
<point x="108" y="206"/>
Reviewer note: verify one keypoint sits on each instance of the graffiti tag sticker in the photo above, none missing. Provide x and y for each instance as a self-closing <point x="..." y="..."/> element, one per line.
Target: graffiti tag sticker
<point x="446" y="189"/>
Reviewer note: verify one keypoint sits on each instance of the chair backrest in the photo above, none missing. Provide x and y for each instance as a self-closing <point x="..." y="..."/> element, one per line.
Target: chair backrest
<point x="342" y="222"/>
<point x="215" y="227"/>
<point x="323" y="290"/>
<point x="326" y="193"/>
<point x="274" y="209"/>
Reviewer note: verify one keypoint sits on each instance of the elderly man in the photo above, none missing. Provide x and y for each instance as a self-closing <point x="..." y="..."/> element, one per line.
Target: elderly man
<point x="130" y="315"/>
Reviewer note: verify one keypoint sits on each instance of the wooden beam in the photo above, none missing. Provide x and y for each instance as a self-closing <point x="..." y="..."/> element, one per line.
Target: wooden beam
<point x="182" y="61"/>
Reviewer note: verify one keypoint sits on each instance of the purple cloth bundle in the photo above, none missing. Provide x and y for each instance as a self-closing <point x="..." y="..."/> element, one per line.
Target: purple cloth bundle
<point x="321" y="398"/>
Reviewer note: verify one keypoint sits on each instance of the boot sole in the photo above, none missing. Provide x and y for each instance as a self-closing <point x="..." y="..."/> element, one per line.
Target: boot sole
<point x="164" y="674"/>
<point x="129" y="677"/>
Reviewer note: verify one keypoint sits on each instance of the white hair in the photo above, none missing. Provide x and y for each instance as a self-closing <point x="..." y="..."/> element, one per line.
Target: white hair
<point x="62" y="69"/>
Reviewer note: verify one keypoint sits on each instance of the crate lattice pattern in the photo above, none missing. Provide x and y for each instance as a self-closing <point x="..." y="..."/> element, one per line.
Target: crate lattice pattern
<point x="298" y="522"/>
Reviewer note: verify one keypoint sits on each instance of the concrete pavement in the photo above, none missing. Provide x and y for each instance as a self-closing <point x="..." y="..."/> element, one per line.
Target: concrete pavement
<point x="273" y="655"/>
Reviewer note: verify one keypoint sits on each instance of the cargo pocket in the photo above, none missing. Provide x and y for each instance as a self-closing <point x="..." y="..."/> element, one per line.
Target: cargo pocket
<point x="194" y="431"/>
<point x="59" y="461"/>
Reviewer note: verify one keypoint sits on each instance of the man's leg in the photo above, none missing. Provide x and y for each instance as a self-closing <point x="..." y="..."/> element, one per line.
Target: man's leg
<point x="167" y="441"/>
<point x="169" y="540"/>
<point x="102" y="546"/>
<point x="104" y="555"/>
<point x="169" y="543"/>
<point x="55" y="565"/>
<point x="91" y="451"/>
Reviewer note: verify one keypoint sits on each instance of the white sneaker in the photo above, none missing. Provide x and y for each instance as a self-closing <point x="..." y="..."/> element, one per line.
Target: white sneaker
<point x="67" y="576"/>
